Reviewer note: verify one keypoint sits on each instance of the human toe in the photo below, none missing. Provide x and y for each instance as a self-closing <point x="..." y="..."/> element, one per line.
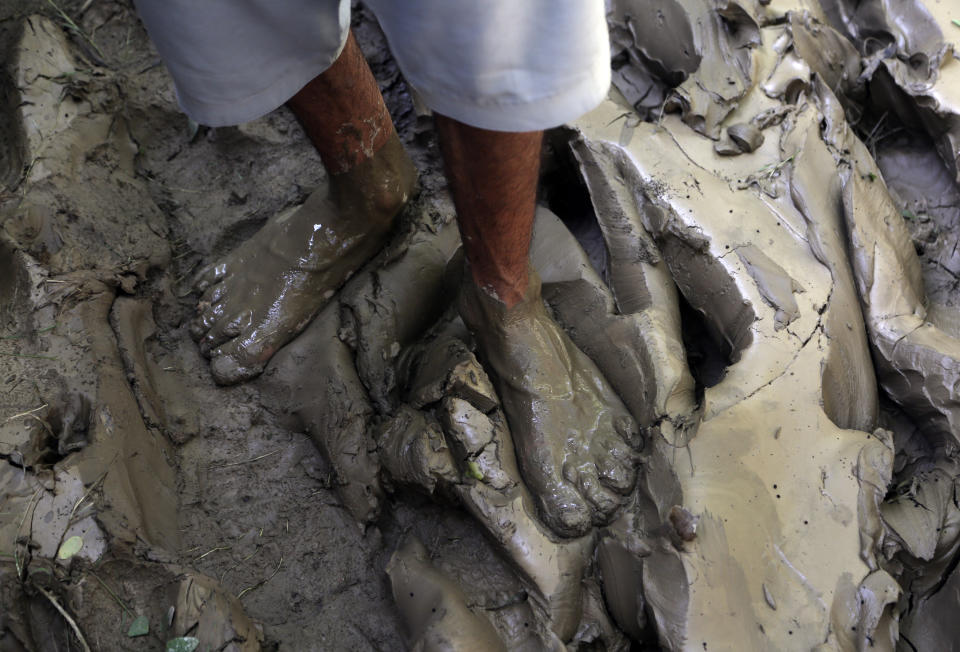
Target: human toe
<point x="224" y="329"/>
<point x="214" y="293"/>
<point x="565" y="510"/>
<point x="205" y="319"/>
<point x="233" y="363"/>
<point x="209" y="275"/>
<point x="615" y="448"/>
<point x="626" y="426"/>
<point x="616" y="475"/>
<point x="603" y="500"/>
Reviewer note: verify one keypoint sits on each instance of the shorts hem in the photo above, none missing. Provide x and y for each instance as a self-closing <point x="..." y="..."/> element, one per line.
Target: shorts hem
<point x="536" y="114"/>
<point x="223" y="113"/>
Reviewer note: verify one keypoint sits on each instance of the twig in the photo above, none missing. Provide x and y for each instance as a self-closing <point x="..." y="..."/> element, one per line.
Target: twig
<point x="252" y="459"/>
<point x="625" y="114"/>
<point x="27" y="413"/>
<point x="261" y="582"/>
<point x="16" y="535"/>
<point x="770" y="169"/>
<point x="85" y="495"/>
<point x="112" y="594"/>
<point x="66" y="616"/>
<point x="876" y="127"/>
<point x="212" y="550"/>
<point x="237" y="565"/>
<point x="72" y="25"/>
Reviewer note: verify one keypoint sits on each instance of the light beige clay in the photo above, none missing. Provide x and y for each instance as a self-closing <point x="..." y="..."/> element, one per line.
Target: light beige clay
<point x="761" y="497"/>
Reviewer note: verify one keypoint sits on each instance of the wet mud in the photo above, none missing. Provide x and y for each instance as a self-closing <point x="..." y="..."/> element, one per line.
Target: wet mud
<point x="775" y="179"/>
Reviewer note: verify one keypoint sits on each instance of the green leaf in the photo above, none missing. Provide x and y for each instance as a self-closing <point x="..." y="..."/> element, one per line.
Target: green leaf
<point x="183" y="644"/>
<point x="70" y="547"/>
<point x="139" y="627"/>
<point x="956" y="22"/>
<point x="473" y="470"/>
<point x="908" y="215"/>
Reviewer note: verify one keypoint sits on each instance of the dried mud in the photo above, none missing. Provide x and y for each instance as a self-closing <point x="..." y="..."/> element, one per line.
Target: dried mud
<point x="756" y="247"/>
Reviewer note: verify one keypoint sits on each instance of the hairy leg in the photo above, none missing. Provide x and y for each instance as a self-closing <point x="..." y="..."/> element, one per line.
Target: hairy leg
<point x="493" y="177"/>
<point x="570" y="429"/>
<point x="265" y="292"/>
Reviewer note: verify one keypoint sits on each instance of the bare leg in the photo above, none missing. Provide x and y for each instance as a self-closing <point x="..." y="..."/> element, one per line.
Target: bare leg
<point x="569" y="428"/>
<point x="266" y="291"/>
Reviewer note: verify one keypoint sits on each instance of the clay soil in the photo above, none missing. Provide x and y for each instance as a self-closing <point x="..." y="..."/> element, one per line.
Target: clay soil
<point x="256" y="503"/>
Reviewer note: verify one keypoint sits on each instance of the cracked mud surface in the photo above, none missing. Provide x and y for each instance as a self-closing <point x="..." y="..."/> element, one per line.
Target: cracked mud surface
<point x="756" y="247"/>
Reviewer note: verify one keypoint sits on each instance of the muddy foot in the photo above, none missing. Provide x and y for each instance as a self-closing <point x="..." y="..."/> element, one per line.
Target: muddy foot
<point x="570" y="429"/>
<point x="265" y="292"/>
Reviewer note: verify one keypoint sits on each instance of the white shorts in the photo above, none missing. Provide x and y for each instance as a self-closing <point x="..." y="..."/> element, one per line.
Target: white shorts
<point x="506" y="65"/>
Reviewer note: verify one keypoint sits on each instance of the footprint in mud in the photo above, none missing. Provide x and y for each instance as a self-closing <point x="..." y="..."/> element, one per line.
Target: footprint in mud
<point x="261" y="295"/>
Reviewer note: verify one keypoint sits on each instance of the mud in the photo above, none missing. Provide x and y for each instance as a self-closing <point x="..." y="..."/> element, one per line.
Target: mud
<point x="777" y="179"/>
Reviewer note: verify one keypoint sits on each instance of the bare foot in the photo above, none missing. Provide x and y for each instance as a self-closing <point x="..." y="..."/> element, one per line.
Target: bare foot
<point x="572" y="433"/>
<point x="266" y="291"/>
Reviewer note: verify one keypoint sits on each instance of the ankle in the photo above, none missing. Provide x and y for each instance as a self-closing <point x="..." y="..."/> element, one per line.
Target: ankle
<point x="381" y="185"/>
<point x="504" y="292"/>
<point x="493" y="323"/>
<point x="507" y="290"/>
<point x="507" y="284"/>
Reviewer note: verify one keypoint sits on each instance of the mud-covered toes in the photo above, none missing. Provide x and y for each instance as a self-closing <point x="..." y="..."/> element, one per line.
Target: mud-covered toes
<point x="238" y="360"/>
<point x="227" y="370"/>
<point x="587" y="480"/>
<point x="572" y="433"/>
<point x="203" y="321"/>
<point x="627" y="428"/>
<point x="209" y="275"/>
<point x="616" y="475"/>
<point x="214" y="294"/>
<point x="564" y="510"/>
<point x="223" y="330"/>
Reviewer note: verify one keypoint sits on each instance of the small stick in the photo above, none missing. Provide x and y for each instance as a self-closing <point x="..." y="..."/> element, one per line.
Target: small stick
<point x="72" y="25"/>
<point x="88" y="492"/>
<point x="252" y="459"/>
<point x="27" y="413"/>
<point x="237" y="565"/>
<point x="66" y="616"/>
<point x="262" y="582"/>
<point x="112" y="594"/>
<point x="211" y="551"/>
<point x="16" y="557"/>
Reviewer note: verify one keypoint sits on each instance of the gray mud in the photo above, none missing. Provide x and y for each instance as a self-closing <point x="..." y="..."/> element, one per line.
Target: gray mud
<point x="244" y="496"/>
<point x="364" y="492"/>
